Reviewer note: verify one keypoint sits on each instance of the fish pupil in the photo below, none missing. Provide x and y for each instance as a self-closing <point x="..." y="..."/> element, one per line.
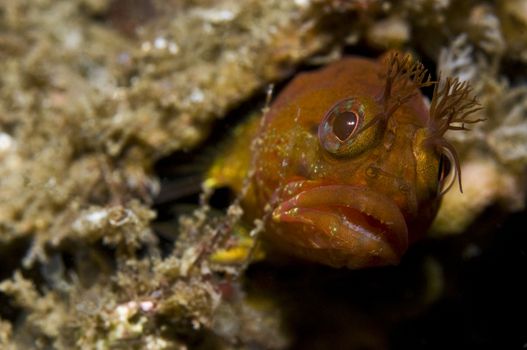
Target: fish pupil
<point x="344" y="125"/>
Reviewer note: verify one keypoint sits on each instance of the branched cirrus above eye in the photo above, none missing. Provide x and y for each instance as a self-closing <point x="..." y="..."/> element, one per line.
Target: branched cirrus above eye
<point x="340" y="124"/>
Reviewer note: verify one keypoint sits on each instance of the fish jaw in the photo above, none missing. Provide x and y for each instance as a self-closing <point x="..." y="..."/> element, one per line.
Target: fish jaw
<point x="339" y="225"/>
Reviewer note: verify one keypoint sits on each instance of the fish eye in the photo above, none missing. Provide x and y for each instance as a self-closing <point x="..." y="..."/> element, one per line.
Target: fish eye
<point x="444" y="168"/>
<point x="339" y="126"/>
<point x="445" y="174"/>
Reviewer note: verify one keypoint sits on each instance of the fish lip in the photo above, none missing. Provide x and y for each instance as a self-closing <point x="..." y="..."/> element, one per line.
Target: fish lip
<point x="381" y="231"/>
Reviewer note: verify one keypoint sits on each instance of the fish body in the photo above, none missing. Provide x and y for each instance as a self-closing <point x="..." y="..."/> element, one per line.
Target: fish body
<point x="347" y="166"/>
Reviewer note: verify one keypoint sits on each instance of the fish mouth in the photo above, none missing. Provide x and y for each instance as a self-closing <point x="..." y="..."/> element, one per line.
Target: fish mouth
<point x="340" y="225"/>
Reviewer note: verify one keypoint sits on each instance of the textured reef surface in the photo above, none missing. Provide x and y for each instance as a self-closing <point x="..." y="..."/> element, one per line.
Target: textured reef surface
<point x="100" y="100"/>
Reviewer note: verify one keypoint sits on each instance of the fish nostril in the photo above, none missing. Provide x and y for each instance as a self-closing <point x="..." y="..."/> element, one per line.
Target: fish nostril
<point x="372" y="172"/>
<point x="303" y="169"/>
<point x="404" y="187"/>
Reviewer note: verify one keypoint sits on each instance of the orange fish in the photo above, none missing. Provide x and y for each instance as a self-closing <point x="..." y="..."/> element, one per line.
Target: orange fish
<point x="348" y="165"/>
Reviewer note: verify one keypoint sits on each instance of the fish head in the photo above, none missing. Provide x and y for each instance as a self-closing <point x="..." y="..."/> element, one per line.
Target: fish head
<point x="348" y="178"/>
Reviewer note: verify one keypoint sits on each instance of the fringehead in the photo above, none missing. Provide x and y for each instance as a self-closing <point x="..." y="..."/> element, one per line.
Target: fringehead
<point x="348" y="165"/>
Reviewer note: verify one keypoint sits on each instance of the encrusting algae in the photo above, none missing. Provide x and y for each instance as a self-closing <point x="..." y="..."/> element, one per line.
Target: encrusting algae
<point x="349" y="163"/>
